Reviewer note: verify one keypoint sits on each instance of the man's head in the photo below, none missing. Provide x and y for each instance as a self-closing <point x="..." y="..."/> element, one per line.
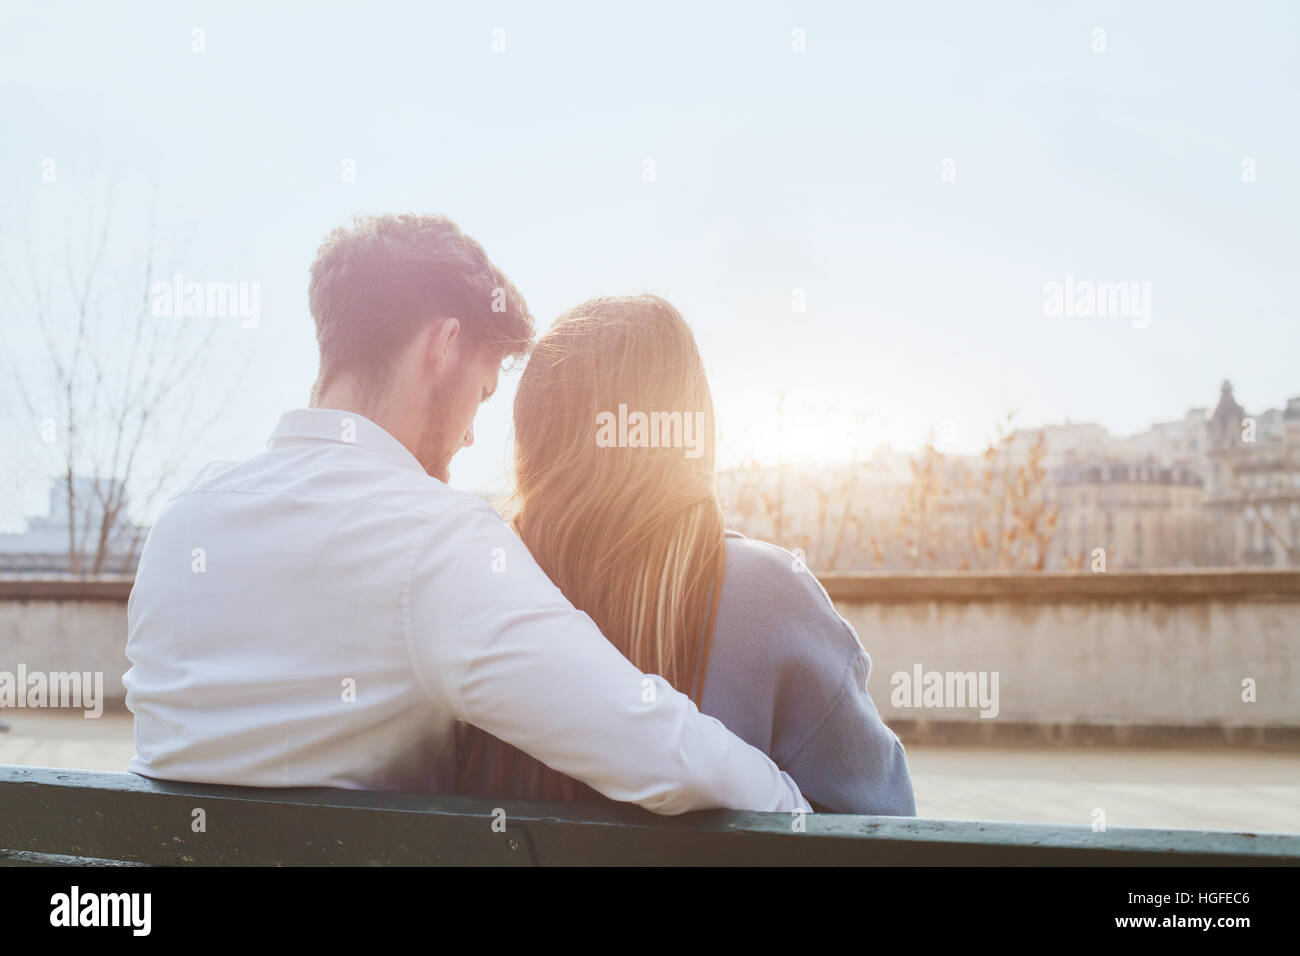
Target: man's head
<point x="413" y="324"/>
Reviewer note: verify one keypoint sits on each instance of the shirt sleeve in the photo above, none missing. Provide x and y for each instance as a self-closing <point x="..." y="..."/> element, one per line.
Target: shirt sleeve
<point x="497" y="643"/>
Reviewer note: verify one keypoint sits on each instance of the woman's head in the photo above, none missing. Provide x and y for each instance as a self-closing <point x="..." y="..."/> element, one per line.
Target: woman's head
<point x="616" y="373"/>
<point x="616" y="495"/>
<point x="614" y="470"/>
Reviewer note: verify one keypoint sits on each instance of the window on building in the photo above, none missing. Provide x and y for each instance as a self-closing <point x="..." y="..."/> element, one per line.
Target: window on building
<point x="1255" y="535"/>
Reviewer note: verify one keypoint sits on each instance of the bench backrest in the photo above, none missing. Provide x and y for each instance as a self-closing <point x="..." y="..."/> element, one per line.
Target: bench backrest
<point x="61" y="816"/>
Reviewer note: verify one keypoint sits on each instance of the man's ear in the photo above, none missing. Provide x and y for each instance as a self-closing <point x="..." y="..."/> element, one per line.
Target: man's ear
<point x="441" y="346"/>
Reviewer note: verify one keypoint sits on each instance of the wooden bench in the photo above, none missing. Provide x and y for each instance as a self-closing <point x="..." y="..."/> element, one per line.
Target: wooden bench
<point x="52" y="817"/>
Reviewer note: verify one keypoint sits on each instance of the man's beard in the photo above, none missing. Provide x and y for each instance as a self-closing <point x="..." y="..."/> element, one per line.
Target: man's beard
<point x="434" y="453"/>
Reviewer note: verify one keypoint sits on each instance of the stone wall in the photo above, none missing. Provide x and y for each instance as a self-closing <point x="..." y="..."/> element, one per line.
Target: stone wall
<point x="1083" y="652"/>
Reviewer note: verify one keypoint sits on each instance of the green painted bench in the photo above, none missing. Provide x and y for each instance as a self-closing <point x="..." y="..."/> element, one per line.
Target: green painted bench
<point x="53" y="817"/>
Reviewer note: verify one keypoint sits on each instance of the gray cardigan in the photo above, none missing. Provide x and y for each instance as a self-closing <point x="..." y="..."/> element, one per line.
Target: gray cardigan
<point x="788" y="675"/>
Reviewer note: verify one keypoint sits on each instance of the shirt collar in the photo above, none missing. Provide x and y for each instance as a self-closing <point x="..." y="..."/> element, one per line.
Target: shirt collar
<point x="347" y="428"/>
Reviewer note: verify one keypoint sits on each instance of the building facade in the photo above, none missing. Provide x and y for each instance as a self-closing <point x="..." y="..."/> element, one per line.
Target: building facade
<point x="1120" y="515"/>
<point x="1253" y="487"/>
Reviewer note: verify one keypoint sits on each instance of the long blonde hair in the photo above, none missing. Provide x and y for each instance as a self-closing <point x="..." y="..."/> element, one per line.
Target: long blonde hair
<point x="633" y="536"/>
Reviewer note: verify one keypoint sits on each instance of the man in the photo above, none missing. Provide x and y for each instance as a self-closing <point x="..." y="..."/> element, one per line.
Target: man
<point x="322" y="613"/>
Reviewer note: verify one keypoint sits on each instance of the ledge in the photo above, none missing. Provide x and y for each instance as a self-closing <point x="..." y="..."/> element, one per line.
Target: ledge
<point x="1179" y="586"/>
<point x="1173" y="586"/>
<point x="65" y="588"/>
<point x="1058" y="734"/>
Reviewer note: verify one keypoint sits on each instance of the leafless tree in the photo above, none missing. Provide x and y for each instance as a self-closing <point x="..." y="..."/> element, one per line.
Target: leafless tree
<point x="118" y="395"/>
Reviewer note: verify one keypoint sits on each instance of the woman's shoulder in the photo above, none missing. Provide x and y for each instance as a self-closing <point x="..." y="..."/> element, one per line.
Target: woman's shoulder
<point x="759" y="557"/>
<point x="775" y="595"/>
<point x="759" y="567"/>
<point x="786" y="660"/>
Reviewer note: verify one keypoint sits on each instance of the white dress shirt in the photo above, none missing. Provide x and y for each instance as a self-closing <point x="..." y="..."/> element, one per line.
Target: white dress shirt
<point x="321" y="614"/>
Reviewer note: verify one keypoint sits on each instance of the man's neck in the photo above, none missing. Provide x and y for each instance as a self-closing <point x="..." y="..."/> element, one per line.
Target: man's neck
<point x="343" y="396"/>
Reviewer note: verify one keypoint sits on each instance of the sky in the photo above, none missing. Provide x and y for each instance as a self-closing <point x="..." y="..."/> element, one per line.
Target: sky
<point x="916" y="175"/>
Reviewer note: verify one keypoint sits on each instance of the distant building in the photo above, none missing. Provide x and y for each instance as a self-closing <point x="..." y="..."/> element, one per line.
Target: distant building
<point x="1253" y="492"/>
<point x="1141" y="514"/>
<point x="1184" y="442"/>
<point x="58" y="543"/>
<point x="1220" y="489"/>
<point x="1073" y="441"/>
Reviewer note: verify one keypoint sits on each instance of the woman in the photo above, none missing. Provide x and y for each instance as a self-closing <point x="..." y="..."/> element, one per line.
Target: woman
<point x="626" y="520"/>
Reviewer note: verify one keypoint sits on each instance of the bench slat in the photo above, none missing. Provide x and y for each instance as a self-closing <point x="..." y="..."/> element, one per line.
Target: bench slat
<point x="49" y="815"/>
